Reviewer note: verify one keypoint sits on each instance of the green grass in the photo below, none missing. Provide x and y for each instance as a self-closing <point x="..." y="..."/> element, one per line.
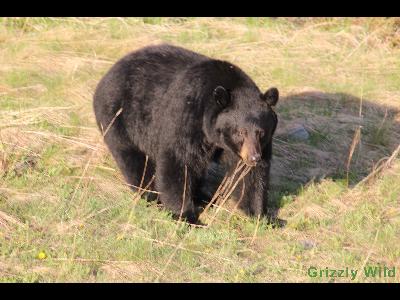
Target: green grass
<point x="61" y="193"/>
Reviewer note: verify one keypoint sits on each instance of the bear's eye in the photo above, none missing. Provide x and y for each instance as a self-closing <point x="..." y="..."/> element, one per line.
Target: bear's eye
<point x="261" y="133"/>
<point x="242" y="132"/>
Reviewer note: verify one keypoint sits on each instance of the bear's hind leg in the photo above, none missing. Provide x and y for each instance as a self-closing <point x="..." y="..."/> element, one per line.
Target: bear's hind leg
<point x="132" y="164"/>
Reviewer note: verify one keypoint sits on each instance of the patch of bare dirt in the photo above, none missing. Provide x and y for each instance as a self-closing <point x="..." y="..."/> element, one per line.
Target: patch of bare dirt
<point x="331" y="121"/>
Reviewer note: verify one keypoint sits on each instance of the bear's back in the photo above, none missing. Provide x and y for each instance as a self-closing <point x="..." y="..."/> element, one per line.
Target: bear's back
<point x="141" y="77"/>
<point x="164" y="59"/>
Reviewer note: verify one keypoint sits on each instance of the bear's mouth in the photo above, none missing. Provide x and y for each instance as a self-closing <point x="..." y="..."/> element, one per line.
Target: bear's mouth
<point x="250" y="164"/>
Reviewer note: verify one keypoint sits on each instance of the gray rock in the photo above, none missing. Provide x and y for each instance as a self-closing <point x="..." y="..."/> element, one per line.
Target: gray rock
<point x="308" y="244"/>
<point x="298" y="132"/>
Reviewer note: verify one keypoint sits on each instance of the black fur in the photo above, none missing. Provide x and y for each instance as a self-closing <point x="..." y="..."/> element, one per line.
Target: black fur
<point x="182" y="109"/>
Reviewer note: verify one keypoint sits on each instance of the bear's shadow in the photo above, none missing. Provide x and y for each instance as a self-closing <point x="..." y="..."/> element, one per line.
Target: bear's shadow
<point x="313" y="141"/>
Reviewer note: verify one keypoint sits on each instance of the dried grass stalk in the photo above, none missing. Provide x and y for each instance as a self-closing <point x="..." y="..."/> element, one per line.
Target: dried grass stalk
<point x="354" y="143"/>
<point x="226" y="188"/>
<point x="381" y="168"/>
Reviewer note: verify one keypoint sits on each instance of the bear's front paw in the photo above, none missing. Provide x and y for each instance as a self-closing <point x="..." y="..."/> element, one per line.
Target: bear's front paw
<point x="277" y="223"/>
<point x="191" y="216"/>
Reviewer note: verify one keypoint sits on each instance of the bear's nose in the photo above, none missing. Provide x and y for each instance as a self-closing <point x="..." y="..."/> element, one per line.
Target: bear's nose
<point x="255" y="158"/>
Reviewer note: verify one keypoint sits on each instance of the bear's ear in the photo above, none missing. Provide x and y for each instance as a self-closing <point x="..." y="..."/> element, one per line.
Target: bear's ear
<point x="271" y="96"/>
<point x="221" y="96"/>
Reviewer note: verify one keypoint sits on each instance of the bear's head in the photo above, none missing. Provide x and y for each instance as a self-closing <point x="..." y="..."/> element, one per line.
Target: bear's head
<point x="244" y="121"/>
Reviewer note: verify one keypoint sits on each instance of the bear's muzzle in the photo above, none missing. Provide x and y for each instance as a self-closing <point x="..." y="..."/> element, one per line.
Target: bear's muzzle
<point x="250" y="151"/>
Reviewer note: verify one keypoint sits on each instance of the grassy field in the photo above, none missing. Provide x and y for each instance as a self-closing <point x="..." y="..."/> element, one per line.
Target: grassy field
<point x="67" y="216"/>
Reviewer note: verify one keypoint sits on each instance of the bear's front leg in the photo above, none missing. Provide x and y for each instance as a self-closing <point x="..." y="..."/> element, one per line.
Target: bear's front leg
<point x="177" y="184"/>
<point x="255" y="198"/>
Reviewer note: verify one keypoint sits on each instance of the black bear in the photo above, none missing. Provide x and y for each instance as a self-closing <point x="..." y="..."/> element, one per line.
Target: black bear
<point x="183" y="110"/>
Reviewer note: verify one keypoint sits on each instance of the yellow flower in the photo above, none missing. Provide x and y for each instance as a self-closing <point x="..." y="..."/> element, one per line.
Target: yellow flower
<point x="42" y="255"/>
